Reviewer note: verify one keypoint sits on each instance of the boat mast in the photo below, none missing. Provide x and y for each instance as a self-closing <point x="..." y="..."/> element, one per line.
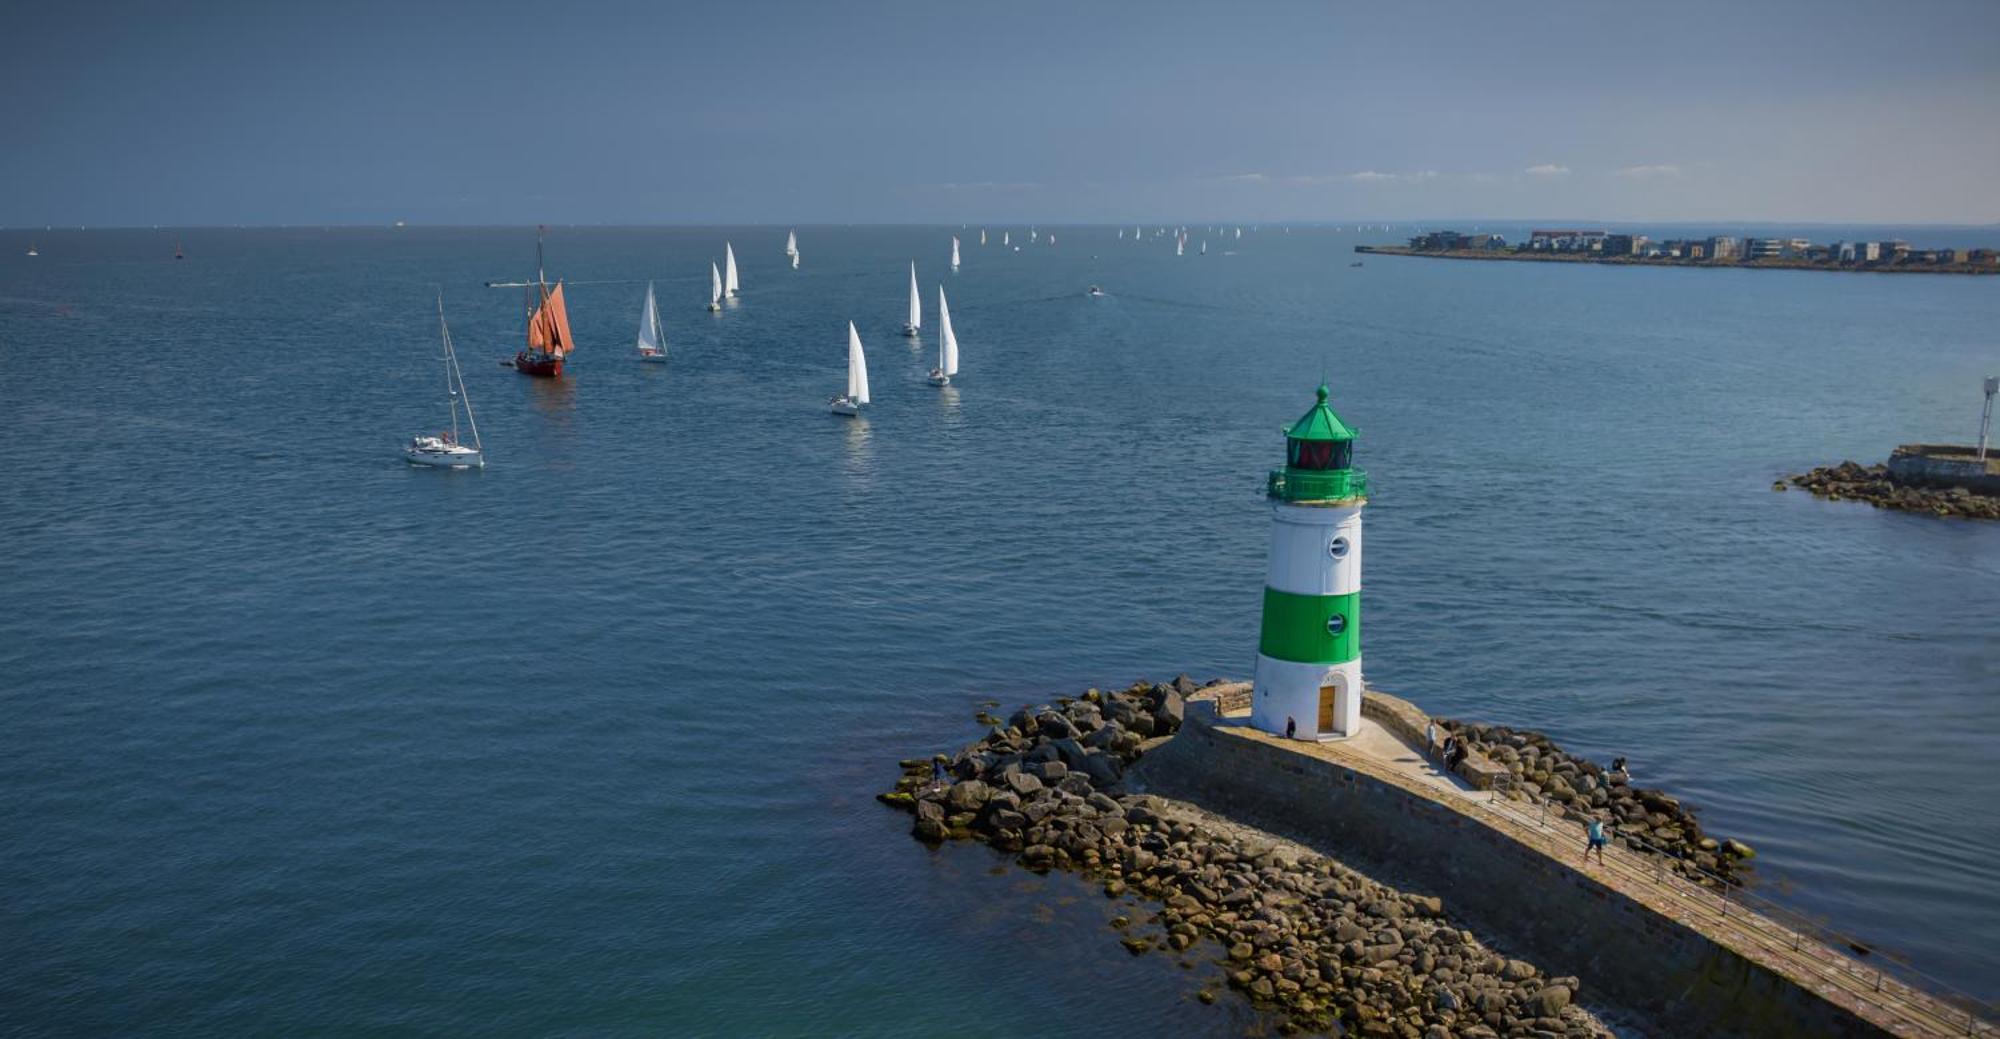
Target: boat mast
<point x="456" y="376"/>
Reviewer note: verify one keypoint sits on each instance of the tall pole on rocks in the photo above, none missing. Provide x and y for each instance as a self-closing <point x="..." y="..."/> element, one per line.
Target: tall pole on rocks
<point x="1986" y="413"/>
<point x="1308" y="676"/>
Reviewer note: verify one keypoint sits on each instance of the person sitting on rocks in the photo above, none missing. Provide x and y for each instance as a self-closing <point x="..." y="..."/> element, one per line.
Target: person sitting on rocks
<point x="1619" y="772"/>
<point x="1594" y="840"/>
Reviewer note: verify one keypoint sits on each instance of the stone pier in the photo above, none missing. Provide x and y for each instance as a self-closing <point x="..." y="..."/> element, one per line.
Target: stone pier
<point x="1678" y="958"/>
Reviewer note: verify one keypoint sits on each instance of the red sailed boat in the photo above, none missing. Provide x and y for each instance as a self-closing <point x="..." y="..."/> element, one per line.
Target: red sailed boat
<point x="549" y="340"/>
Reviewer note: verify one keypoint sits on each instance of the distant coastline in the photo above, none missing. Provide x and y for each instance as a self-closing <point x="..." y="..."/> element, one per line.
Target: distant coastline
<point x="1770" y="263"/>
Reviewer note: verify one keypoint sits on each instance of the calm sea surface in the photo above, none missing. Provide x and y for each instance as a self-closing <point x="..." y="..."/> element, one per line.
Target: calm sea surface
<point x="299" y="737"/>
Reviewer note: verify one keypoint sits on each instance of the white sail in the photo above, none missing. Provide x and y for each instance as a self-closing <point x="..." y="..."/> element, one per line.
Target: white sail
<point x="982" y="236"/>
<point x="791" y="243"/>
<point x="954" y="252"/>
<point x="948" y="343"/>
<point x="1180" y="244"/>
<point x="1006" y="236"/>
<point x="729" y="282"/>
<point x="1204" y="247"/>
<point x="714" y="283"/>
<point x="916" y="306"/>
<point x="857" y="367"/>
<point x="1121" y="234"/>
<point x="650" y="339"/>
<point x="1032" y="235"/>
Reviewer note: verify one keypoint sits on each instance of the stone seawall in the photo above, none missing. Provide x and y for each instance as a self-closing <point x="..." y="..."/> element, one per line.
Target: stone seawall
<point x="1638" y="960"/>
<point x="1945" y="465"/>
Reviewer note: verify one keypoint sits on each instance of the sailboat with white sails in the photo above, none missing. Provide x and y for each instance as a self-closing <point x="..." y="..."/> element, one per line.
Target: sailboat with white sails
<point x="850" y="403"/>
<point x="954" y="252"/>
<point x="729" y="282"/>
<point x="652" y="343"/>
<point x="916" y="322"/>
<point x="947" y="345"/>
<point x="443" y="451"/>
<point x="792" y="247"/>
<point x="714" y="287"/>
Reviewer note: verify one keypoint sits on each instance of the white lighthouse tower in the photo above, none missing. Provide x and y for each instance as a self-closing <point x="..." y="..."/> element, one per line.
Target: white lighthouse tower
<point x="1308" y="672"/>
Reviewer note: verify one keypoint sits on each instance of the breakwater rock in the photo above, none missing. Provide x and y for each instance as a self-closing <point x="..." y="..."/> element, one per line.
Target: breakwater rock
<point x="1579" y="787"/>
<point x="1872" y="484"/>
<point x="1297" y="933"/>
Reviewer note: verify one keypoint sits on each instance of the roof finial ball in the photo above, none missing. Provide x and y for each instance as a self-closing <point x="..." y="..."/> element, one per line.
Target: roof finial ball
<point x="1309" y="651"/>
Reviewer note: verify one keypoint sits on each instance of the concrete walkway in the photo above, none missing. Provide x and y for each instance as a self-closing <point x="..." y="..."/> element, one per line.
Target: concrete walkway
<point x="1897" y="1008"/>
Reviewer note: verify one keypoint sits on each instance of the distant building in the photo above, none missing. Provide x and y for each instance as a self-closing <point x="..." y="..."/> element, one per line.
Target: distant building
<point x="1624" y="244"/>
<point x="1566" y="241"/>
<point x="1720" y="247"/>
<point x="1763" y="248"/>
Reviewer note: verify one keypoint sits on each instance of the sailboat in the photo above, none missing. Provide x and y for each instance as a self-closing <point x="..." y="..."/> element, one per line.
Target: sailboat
<point x="982" y="236"/>
<point x="714" y="287"/>
<point x="1052" y="238"/>
<point x="857" y="378"/>
<point x="947" y="346"/>
<point x="916" y="322"/>
<point x="1204" y="247"/>
<point x="1180" y="245"/>
<point x="549" y="341"/>
<point x="178" y="254"/>
<point x="1032" y="235"/>
<point x="1005" y="236"/>
<point x="32" y="251"/>
<point x="443" y="450"/>
<point x="652" y="344"/>
<point x="792" y="247"/>
<point x="729" y="283"/>
<point x="1239" y="233"/>
<point x="954" y="252"/>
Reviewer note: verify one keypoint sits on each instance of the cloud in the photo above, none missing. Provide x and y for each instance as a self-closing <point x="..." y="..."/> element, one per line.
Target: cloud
<point x="1243" y="178"/>
<point x="1370" y="177"/>
<point x="1650" y="172"/>
<point x="1547" y="169"/>
<point x="1423" y="175"/>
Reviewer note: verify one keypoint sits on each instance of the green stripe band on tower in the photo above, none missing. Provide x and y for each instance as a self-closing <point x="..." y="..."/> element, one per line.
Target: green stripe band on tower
<point x="1297" y="627"/>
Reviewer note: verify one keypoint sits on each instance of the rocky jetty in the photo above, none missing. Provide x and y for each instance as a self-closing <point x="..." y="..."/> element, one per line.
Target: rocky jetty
<point x="1871" y="483"/>
<point x="1297" y="933"/>
<point x="1581" y="789"/>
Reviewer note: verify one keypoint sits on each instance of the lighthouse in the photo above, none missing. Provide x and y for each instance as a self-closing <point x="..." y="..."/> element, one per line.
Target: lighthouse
<point x="1309" y="651"/>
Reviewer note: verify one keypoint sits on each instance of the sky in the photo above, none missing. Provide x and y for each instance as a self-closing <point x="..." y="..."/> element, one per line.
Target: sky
<point x="746" y="111"/>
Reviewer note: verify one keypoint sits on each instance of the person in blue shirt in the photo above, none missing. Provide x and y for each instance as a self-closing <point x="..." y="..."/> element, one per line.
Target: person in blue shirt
<point x="1596" y="839"/>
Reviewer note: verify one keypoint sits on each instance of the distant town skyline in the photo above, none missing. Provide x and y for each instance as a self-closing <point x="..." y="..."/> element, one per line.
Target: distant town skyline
<point x="135" y="114"/>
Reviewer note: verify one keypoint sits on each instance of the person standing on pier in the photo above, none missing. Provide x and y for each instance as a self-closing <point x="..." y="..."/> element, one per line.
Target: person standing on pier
<point x="1595" y="840"/>
<point x="1430" y="736"/>
<point x="1291" y="727"/>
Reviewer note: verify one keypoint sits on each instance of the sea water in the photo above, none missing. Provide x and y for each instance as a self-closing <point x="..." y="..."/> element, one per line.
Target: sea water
<point x="299" y="736"/>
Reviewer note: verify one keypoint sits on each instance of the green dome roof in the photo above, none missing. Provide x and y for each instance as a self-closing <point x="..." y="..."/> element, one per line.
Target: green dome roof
<point x="1320" y="423"/>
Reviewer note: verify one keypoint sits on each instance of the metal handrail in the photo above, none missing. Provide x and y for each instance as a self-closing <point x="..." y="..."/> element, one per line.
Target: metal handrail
<point x="1795" y="927"/>
<point x="1316" y="485"/>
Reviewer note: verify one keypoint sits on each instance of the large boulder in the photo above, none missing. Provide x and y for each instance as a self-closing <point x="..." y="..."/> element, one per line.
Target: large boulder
<point x="968" y="795"/>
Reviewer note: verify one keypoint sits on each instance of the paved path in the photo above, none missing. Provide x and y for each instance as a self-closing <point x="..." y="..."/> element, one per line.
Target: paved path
<point x="1899" y="1008"/>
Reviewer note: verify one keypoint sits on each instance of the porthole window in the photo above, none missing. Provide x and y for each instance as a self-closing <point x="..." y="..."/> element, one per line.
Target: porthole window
<point x="1338" y="548"/>
<point x="1336" y="624"/>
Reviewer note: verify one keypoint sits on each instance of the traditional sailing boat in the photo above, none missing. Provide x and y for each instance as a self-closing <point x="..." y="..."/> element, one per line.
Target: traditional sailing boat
<point x="916" y="322"/>
<point x="850" y="403"/>
<point x="947" y="346"/>
<point x="714" y="287"/>
<point x="652" y="344"/>
<point x="792" y="247"/>
<point x="549" y="340"/>
<point x="954" y="252"/>
<point x="443" y="450"/>
<point x="729" y="283"/>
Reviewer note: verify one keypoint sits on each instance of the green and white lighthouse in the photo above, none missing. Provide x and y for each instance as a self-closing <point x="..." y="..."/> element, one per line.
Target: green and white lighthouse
<point x="1309" y="653"/>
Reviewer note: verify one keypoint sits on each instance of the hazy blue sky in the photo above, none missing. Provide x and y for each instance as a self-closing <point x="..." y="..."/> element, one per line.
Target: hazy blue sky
<point x="730" y="111"/>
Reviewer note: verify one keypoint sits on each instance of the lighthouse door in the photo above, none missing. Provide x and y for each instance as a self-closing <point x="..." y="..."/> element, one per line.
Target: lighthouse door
<point x="1326" y="698"/>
